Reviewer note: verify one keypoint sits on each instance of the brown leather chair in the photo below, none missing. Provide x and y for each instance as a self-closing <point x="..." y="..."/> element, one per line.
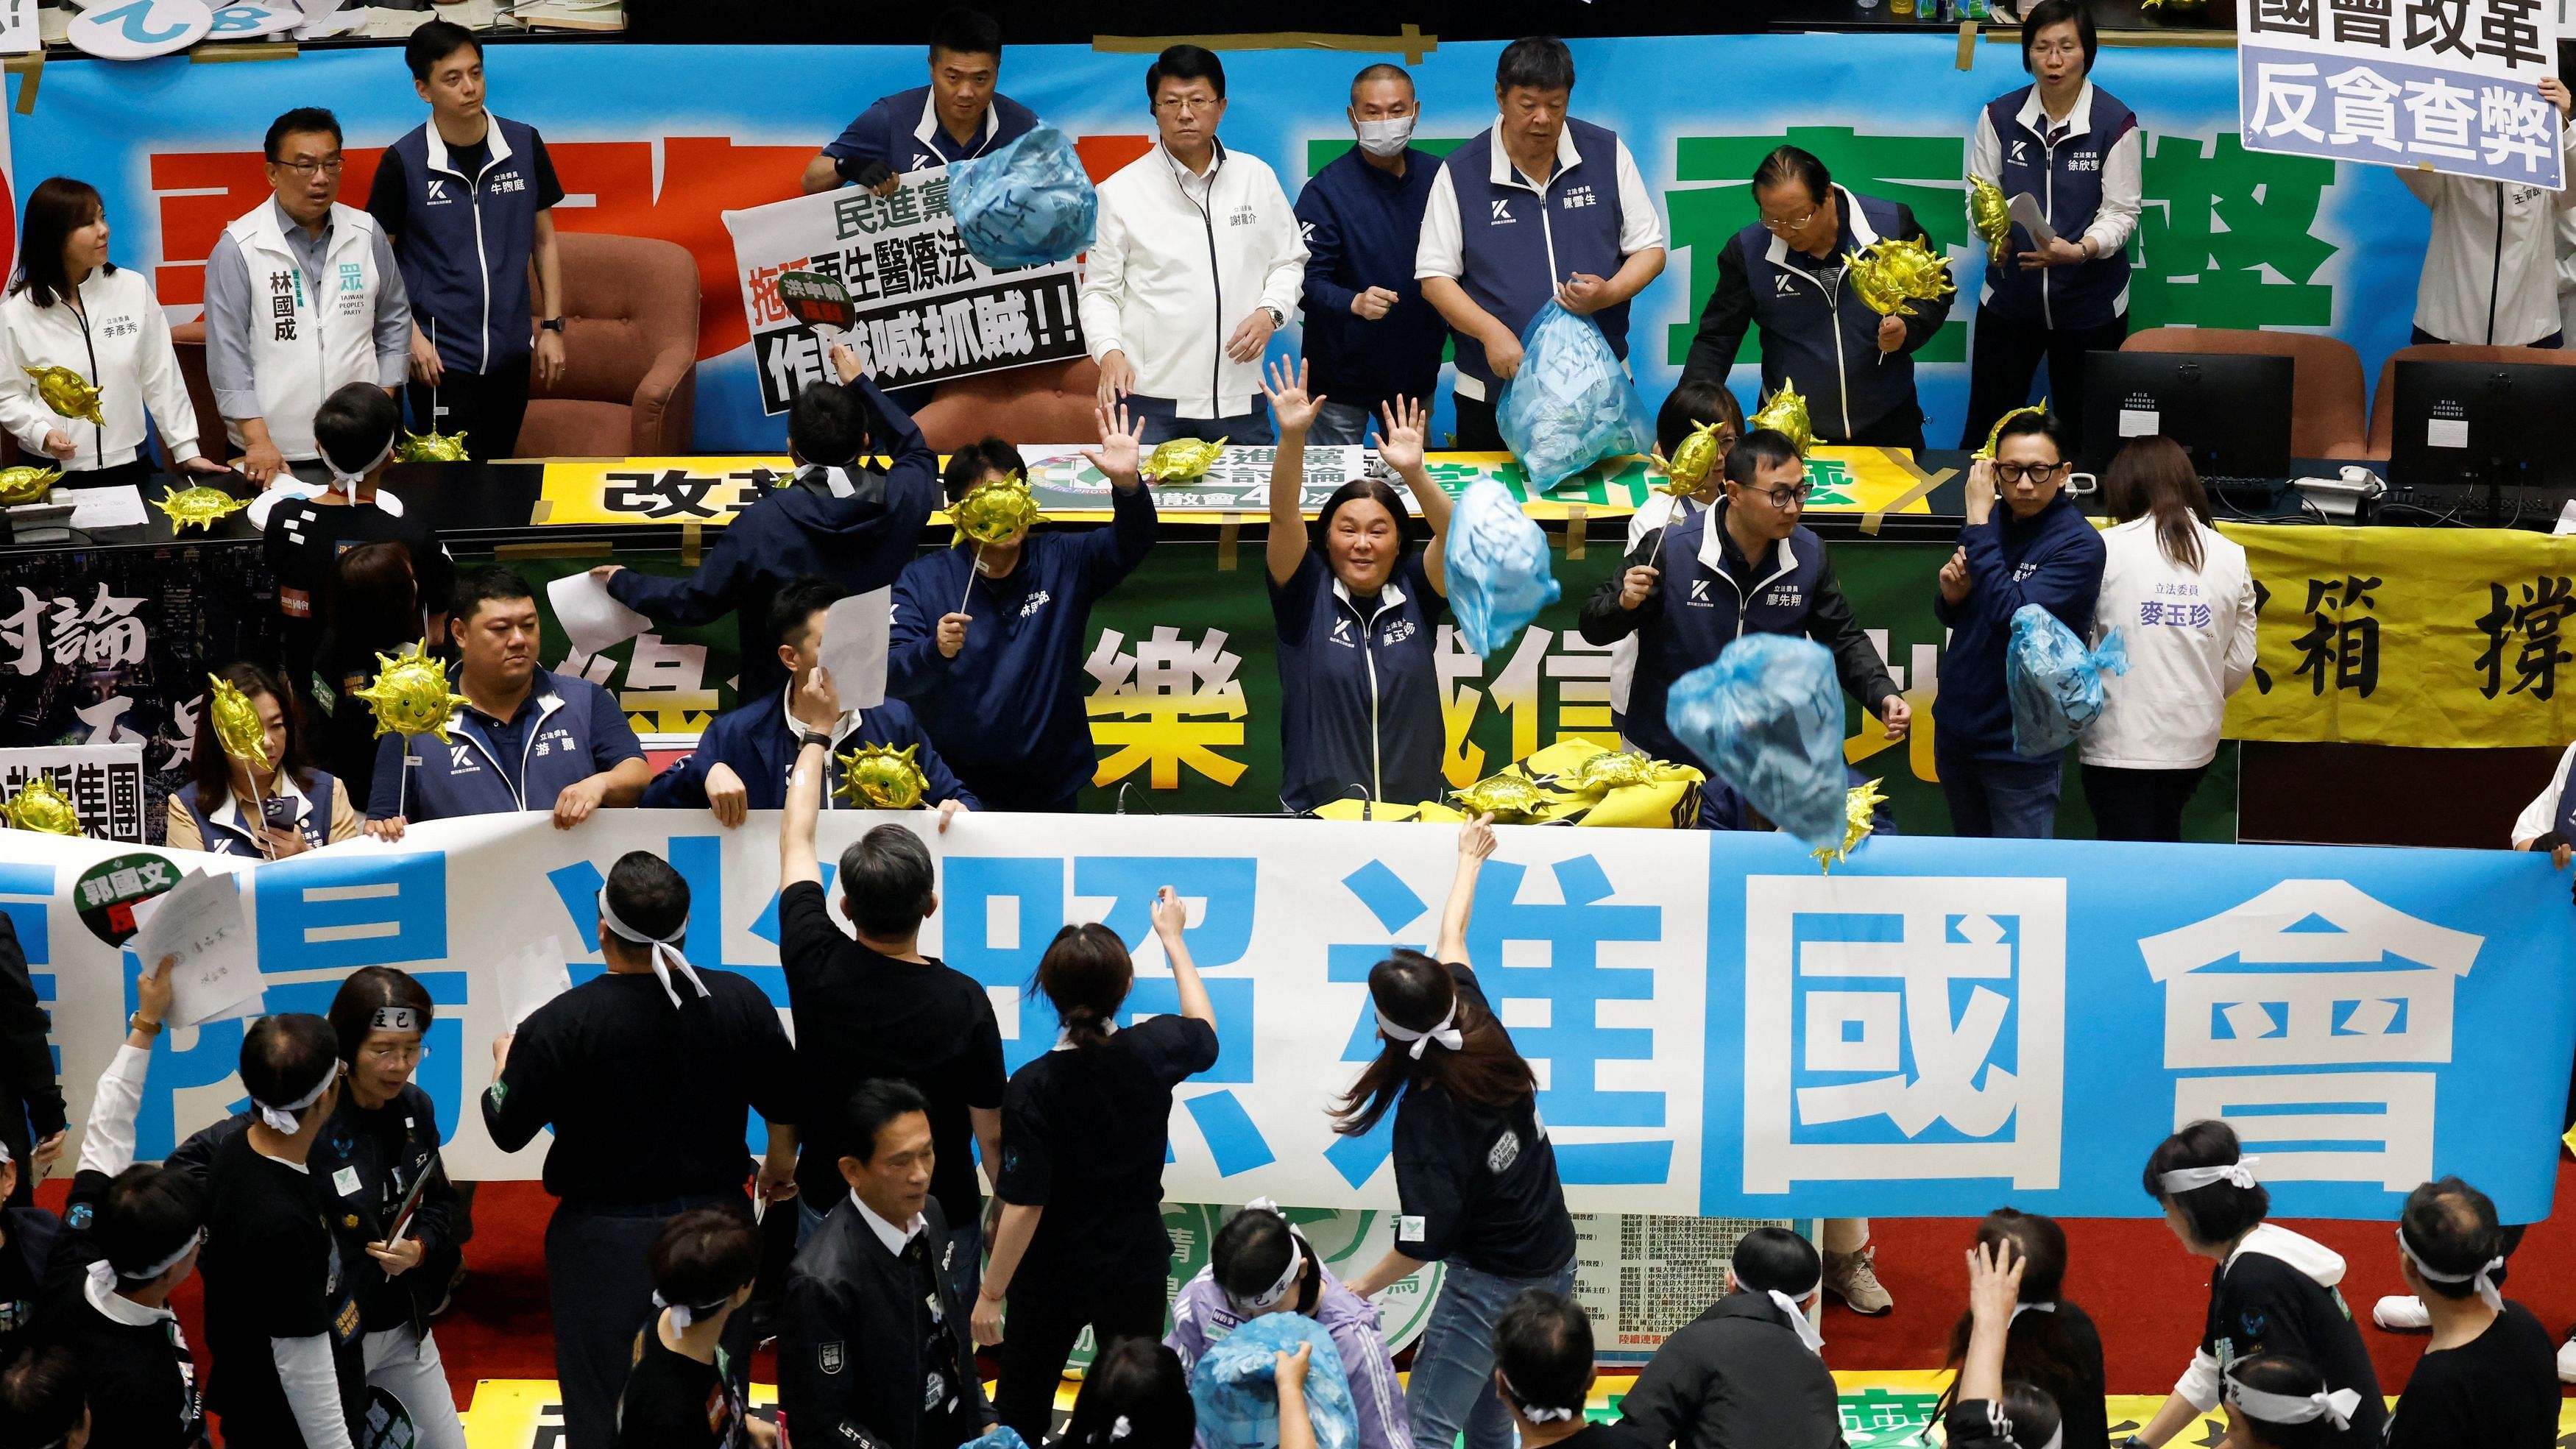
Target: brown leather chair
<point x="2329" y="414"/>
<point x="1052" y="402"/>
<point x="2383" y="403"/>
<point x="188" y="339"/>
<point x="629" y="387"/>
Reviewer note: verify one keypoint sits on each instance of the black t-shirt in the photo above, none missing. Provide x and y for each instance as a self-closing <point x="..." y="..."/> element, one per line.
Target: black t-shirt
<point x="1084" y="1135"/>
<point x="1476" y="1184"/>
<point x="21" y="1281"/>
<point x="273" y="1270"/>
<point x="2497" y="1391"/>
<point x="304" y="540"/>
<point x="2261" y="1304"/>
<point x="389" y="195"/>
<point x="672" y="1401"/>
<point x="873" y="1015"/>
<point x="139" y="1378"/>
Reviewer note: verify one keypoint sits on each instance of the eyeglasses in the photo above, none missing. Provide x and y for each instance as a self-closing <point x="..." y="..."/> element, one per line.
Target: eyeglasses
<point x="2061" y="48"/>
<point x="394" y="1051"/>
<point x="1784" y="227"/>
<point x="2009" y="473"/>
<point x="306" y="169"/>
<point x="1187" y="105"/>
<point x="1785" y="499"/>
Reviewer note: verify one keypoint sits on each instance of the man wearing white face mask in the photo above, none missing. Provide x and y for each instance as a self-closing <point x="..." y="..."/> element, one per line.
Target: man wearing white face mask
<point x="1370" y="337"/>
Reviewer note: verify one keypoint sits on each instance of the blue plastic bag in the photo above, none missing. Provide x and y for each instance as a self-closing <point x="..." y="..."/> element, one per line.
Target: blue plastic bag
<point x="1569" y="406"/>
<point x="1768" y="719"/>
<point x="2054" y="682"/>
<point x="1026" y="205"/>
<point x="1236" y="1390"/>
<point x="1499" y="577"/>
<point x="1002" y="1437"/>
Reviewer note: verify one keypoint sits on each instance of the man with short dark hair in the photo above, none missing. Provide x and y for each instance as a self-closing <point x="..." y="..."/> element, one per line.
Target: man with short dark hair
<point x="1370" y="337"/>
<point x="2489" y="1376"/>
<point x="872" y="1343"/>
<point x="1537" y="206"/>
<point x="526" y="738"/>
<point x="40" y="1400"/>
<point x="297" y="281"/>
<point x="957" y="117"/>
<point x="1745" y="1373"/>
<point x="468" y="199"/>
<point x="888" y="1010"/>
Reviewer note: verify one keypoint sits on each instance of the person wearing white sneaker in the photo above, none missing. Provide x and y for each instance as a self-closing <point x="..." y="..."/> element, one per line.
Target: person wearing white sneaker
<point x="1851" y="1271"/>
<point x="2489" y="1376"/>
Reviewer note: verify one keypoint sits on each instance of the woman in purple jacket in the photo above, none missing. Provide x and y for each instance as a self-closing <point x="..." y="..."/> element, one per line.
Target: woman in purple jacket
<point x="1258" y="1264"/>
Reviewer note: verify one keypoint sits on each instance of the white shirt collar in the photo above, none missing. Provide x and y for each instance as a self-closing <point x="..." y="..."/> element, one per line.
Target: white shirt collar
<point x="841" y="727"/>
<point x="1501" y="172"/>
<point x="1712" y="549"/>
<point x="2034" y="116"/>
<point x="1387" y="598"/>
<point x="887" y="1233"/>
<point x="117" y="1308"/>
<point x="930" y="126"/>
<point x="228" y="814"/>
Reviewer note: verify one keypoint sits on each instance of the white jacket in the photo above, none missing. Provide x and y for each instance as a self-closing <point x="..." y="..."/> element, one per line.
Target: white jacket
<point x="2541" y="816"/>
<point x="2488" y="280"/>
<point x="1179" y="262"/>
<point x="305" y="348"/>
<point x="123" y="350"/>
<point x="2191" y="643"/>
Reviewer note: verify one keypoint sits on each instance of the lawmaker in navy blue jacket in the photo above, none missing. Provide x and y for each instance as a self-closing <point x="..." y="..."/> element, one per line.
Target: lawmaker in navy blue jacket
<point x="1370" y="336"/>
<point x="525" y="739"/>
<point x="989" y="638"/>
<point x="956" y="117"/>
<point x="1744" y="565"/>
<point x="835" y="522"/>
<point x="2036" y="549"/>
<point x="1358" y="679"/>
<point x="742" y="761"/>
<point x="1784" y="275"/>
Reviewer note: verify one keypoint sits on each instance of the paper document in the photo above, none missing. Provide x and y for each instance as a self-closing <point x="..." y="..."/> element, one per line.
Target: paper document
<point x="95" y="510"/>
<point x="2025" y="210"/>
<point x="856" y="636"/>
<point x="591" y="619"/>
<point x="216" y="977"/>
<point x="530" y="977"/>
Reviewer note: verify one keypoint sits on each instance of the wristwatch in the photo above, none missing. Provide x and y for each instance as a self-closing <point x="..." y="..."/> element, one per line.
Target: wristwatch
<point x="1278" y="319"/>
<point x="813" y="737"/>
<point x="551" y="324"/>
<point x="137" y="1023"/>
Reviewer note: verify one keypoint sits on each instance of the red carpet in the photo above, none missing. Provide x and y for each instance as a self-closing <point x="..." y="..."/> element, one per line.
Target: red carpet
<point x="2145" y="1293"/>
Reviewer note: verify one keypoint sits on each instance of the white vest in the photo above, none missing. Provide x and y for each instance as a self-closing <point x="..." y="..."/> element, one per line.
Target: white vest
<point x="313" y="345"/>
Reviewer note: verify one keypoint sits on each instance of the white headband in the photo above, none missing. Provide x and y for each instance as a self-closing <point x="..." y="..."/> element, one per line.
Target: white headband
<point x="2239" y="1173"/>
<point x="397" y="1018"/>
<point x="348" y="482"/>
<point x="682" y="1315"/>
<point x="282" y="1118"/>
<point x="2484" y="1278"/>
<point x="104" y="1274"/>
<point x="1533" y="1412"/>
<point x="666" y="958"/>
<point x="1119" y="1430"/>
<point x="2021" y="1308"/>
<point x="1269" y="1297"/>
<point x="5" y="1159"/>
<point x="1788" y="1306"/>
<point x="1446" y="1033"/>
<point x="2335" y="1408"/>
<point x="2002" y="1428"/>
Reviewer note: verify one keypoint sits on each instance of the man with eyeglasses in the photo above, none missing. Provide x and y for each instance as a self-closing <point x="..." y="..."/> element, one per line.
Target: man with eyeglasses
<point x="1785" y="275"/>
<point x="1744" y="565"/>
<point x="302" y="299"/>
<point x="2037" y="548"/>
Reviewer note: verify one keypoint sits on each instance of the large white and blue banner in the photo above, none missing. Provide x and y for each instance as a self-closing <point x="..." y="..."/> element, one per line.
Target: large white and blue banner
<point x="661" y="141"/>
<point x="1937" y="1027"/>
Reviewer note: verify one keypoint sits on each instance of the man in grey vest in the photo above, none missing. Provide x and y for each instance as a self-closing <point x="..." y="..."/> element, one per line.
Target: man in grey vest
<point x="1538" y="205"/>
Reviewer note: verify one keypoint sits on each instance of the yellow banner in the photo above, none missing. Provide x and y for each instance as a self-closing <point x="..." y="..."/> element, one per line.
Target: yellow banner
<point x="2449" y="638"/>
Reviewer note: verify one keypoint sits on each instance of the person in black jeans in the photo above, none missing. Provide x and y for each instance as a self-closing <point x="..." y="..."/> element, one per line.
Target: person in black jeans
<point x="691" y="1384"/>
<point x="1085" y="1130"/>
<point x="31" y="1100"/>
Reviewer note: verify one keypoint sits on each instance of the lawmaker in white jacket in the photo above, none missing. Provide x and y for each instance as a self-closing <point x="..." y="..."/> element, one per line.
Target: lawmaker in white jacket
<point x="2182" y="598"/>
<point x="2491" y="263"/>
<point x="1197" y="264"/>
<point x="69" y="306"/>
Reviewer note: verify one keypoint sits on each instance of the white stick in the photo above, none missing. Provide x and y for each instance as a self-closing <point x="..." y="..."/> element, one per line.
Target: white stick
<point x="970" y="579"/>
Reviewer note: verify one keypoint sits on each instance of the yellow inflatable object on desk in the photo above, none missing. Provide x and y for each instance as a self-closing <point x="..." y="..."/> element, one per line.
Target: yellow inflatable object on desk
<point x="1579" y="782"/>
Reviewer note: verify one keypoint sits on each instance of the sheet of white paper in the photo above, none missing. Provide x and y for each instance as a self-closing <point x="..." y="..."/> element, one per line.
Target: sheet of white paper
<point x="94" y="509"/>
<point x="856" y="634"/>
<point x="19" y="31"/>
<point x="530" y="977"/>
<point x="200" y="921"/>
<point x="2025" y="209"/>
<point x="2446" y="432"/>
<point x="591" y="619"/>
<point x="2140" y="422"/>
<point x="2566" y="520"/>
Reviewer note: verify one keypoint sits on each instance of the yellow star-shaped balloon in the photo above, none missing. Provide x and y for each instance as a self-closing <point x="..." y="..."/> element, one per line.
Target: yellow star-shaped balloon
<point x="1182" y="459"/>
<point x="1988" y="212"/>
<point x="67" y="393"/>
<point x="198" y="507"/>
<point x="431" y="447"/>
<point x="1995" y="434"/>
<point x="1860" y="804"/>
<point x="410" y="695"/>
<point x="995" y="509"/>
<point x="1786" y="414"/>
<point x="1694" y="458"/>
<point x="1891" y="274"/>
<point x="26" y="485"/>
<point x="1615" y="769"/>
<point x="38" y="806"/>
<point x="882" y="776"/>
<point x="1506" y="797"/>
<point x="237" y="726"/>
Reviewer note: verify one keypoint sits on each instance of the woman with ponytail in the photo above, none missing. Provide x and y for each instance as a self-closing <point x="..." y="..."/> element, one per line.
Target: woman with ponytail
<point x="1085" y="1129"/>
<point x="2049" y="1343"/>
<point x="2182" y="598"/>
<point x="1473" y="1167"/>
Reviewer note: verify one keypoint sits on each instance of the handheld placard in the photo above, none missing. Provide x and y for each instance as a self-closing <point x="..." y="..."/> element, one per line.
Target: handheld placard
<point x="821" y="303"/>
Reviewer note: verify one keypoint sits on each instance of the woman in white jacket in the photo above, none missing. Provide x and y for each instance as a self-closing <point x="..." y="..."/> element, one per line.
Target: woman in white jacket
<point x="2182" y="596"/>
<point x="69" y="306"/>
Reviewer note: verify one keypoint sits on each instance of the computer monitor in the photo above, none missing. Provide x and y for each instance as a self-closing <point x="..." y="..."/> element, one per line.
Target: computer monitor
<point x="2229" y="410"/>
<point x="2486" y="425"/>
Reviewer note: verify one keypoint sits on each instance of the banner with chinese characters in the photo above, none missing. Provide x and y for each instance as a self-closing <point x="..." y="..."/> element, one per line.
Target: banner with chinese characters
<point x="103" y="782"/>
<point x="1937" y="1026"/>
<point x="2445" y="85"/>
<point x="2410" y="636"/>
<point x="927" y="309"/>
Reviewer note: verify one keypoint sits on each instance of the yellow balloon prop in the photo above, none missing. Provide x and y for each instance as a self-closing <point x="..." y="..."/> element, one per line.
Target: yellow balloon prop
<point x="39" y="807"/>
<point x="1182" y="459"/>
<point x="410" y="695"/>
<point x="882" y="776"/>
<point x="1786" y="414"/>
<point x="67" y="393"/>
<point x="431" y="448"/>
<point x="27" y="485"/>
<point x="1860" y="803"/>
<point x="1988" y="212"/>
<point x="237" y="726"/>
<point x="198" y="507"/>
<point x="1616" y="769"/>
<point x="995" y="510"/>
<point x="1891" y="275"/>
<point x="1694" y="458"/>
<point x="1995" y="434"/>
<point x="1507" y="798"/>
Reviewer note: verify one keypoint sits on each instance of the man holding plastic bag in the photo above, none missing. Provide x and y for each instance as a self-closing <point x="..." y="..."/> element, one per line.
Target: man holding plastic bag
<point x="958" y="116"/>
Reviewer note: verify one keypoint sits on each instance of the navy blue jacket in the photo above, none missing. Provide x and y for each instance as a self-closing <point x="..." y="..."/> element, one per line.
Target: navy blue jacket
<point x="1362" y="228"/>
<point x="798" y="531"/>
<point x="1510" y="267"/>
<point x="1816" y="333"/>
<point x="574" y="731"/>
<point x="233" y="834"/>
<point x="2065" y="175"/>
<point x="903" y="131"/>
<point x="2054" y="560"/>
<point x="1359" y="687"/>
<point x="1007" y="711"/>
<point x="463" y="242"/>
<point x="756" y="742"/>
